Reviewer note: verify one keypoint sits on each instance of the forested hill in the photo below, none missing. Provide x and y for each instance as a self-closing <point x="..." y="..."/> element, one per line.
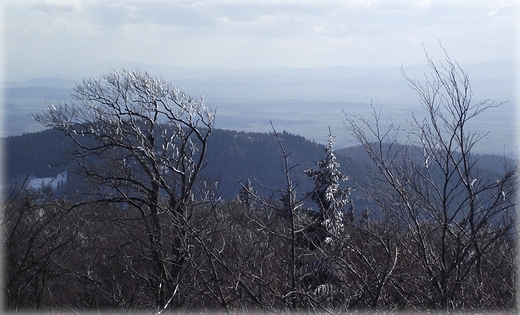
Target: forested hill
<point x="239" y="156"/>
<point x="232" y="157"/>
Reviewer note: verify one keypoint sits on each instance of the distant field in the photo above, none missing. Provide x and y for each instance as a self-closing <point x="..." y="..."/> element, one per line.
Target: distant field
<point x="311" y="119"/>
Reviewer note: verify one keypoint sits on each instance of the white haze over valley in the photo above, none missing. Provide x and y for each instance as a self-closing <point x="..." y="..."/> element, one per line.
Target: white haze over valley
<point x="304" y="101"/>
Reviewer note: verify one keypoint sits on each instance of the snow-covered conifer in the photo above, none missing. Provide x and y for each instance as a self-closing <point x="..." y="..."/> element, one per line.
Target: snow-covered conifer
<point x="333" y="201"/>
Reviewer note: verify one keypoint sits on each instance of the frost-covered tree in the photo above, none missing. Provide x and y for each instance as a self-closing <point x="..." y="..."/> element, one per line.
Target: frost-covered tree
<point x="453" y="214"/>
<point x="246" y="194"/>
<point x="333" y="202"/>
<point x="141" y="142"/>
<point x="320" y="236"/>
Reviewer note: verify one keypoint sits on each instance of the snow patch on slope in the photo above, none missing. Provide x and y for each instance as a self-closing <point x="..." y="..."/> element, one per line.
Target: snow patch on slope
<point x="53" y="182"/>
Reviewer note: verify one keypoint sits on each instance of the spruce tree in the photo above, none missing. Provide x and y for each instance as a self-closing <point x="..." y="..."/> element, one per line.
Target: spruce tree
<point x="333" y="202"/>
<point x="245" y="196"/>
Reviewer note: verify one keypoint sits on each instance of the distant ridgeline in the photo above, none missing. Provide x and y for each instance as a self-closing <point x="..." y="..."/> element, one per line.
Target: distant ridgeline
<point x="40" y="160"/>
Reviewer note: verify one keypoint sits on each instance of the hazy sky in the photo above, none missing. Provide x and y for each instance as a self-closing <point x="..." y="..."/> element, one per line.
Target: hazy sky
<point x="47" y="36"/>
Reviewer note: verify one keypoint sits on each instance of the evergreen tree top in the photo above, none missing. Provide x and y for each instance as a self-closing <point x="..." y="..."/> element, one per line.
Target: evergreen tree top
<point x="326" y="193"/>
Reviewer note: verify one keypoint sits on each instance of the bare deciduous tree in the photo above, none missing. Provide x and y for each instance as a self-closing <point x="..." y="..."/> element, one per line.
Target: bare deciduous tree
<point x="454" y="215"/>
<point x="33" y="238"/>
<point x="141" y="142"/>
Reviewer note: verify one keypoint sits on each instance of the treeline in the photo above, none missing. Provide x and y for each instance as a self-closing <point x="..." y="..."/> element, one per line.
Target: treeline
<point x="148" y="230"/>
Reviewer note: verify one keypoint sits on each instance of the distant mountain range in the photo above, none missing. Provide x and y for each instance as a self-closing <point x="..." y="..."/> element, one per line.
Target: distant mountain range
<point x="492" y="69"/>
<point x="303" y="101"/>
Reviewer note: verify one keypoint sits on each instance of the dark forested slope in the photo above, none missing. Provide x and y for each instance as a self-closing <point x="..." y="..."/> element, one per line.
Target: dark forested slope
<point x="232" y="156"/>
<point x="39" y="154"/>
